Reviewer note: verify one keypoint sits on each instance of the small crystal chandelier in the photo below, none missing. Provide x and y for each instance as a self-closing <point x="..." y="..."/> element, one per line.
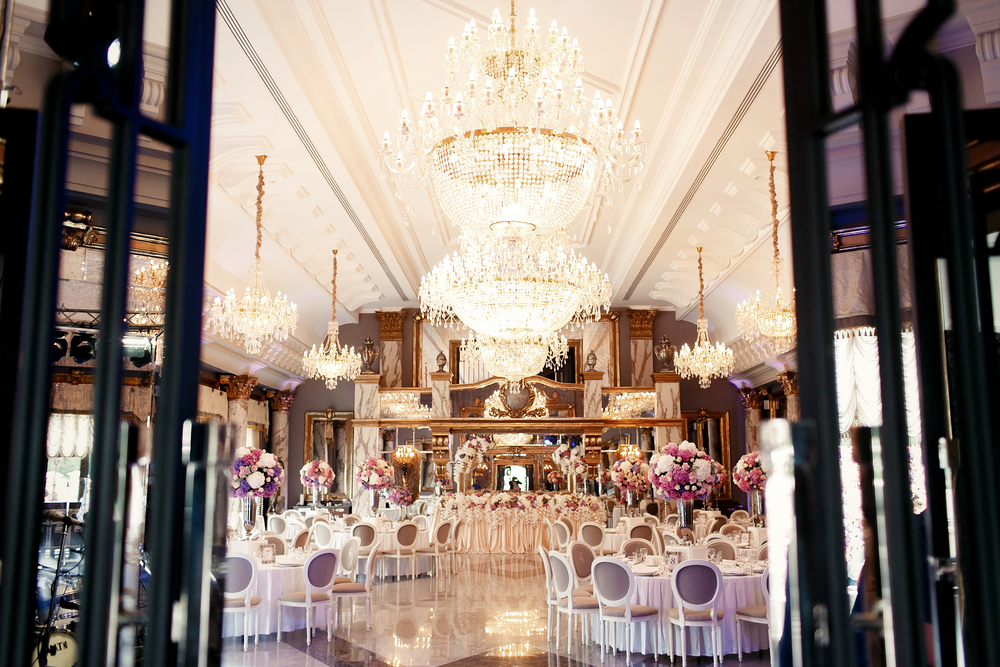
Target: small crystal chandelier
<point x="513" y="285"/>
<point x="773" y="326"/>
<point x="331" y="362"/>
<point x="517" y="359"/>
<point x="403" y="405"/>
<point x="405" y="454"/>
<point x="705" y="361"/>
<point x="513" y="441"/>
<point x="513" y="135"/>
<point x="256" y="317"/>
<point x="630" y="405"/>
<point x="149" y="291"/>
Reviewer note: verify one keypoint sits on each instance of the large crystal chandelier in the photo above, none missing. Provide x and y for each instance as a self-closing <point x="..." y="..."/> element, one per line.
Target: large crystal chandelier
<point x="770" y="321"/>
<point x="256" y="317"/>
<point x="330" y="362"/>
<point x="513" y="136"/>
<point x="507" y="284"/>
<point x="149" y="291"/>
<point x="518" y="358"/>
<point x="705" y="361"/>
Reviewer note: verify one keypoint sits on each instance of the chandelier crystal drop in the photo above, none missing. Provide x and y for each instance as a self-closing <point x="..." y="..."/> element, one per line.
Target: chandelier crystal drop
<point x="149" y="292"/>
<point x="513" y="137"/>
<point x="256" y="317"/>
<point x="705" y="361"/>
<point x="330" y="362"/>
<point x="518" y="358"/>
<point x="506" y="284"/>
<point x="770" y="321"/>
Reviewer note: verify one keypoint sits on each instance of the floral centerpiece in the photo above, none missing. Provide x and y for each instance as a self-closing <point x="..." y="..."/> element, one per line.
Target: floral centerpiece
<point x="316" y="475"/>
<point x="568" y="460"/>
<point x="375" y="474"/>
<point x="256" y="474"/>
<point x="527" y="506"/>
<point x="630" y="474"/>
<point x="683" y="472"/>
<point x="749" y="474"/>
<point x="469" y="455"/>
<point x="400" y="497"/>
<point x="555" y="477"/>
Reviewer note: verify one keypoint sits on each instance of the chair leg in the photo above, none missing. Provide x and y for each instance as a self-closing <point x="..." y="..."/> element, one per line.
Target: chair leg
<point x="628" y="643"/>
<point x="279" y="623"/>
<point x="656" y="641"/>
<point x="368" y="613"/>
<point x="670" y="639"/>
<point x="246" y="628"/>
<point x="308" y="628"/>
<point x="329" y="614"/>
<point x="684" y="653"/>
<point x="558" y="622"/>
<point x="715" y="649"/>
<point x="739" y="640"/>
<point x="256" y="626"/>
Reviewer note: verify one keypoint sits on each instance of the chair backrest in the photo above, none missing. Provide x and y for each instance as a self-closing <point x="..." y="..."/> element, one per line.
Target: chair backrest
<point x="570" y="526"/>
<point x="301" y="538"/>
<point x="642" y="530"/>
<point x="294" y="526"/>
<point x="241" y="572"/>
<point x="633" y="544"/>
<point x="553" y="542"/>
<point x="365" y="532"/>
<point x="278" y="542"/>
<point x="292" y="514"/>
<point x="717" y="524"/>
<point x="765" y="588"/>
<point x="349" y="557"/>
<point x="322" y="517"/>
<point x="651" y="519"/>
<point x="614" y="584"/>
<point x="562" y="535"/>
<point x="732" y="529"/>
<point x="670" y="538"/>
<point x="421" y="521"/>
<point x="695" y="514"/>
<point x="322" y="534"/>
<point x="351" y="519"/>
<point x="581" y="556"/>
<point x="456" y="531"/>
<point x="725" y="547"/>
<point x="406" y="535"/>
<point x="550" y="593"/>
<point x="562" y="575"/>
<point x="442" y="533"/>
<point x="697" y="585"/>
<point x="370" y="570"/>
<point x="670" y="521"/>
<point x="593" y="534"/>
<point x="740" y="516"/>
<point x="309" y="521"/>
<point x="420" y="506"/>
<point x="277" y="525"/>
<point x="762" y="552"/>
<point x="320" y="570"/>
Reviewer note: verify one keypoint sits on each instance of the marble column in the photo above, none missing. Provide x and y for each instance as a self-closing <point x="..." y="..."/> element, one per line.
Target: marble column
<point x="281" y="402"/>
<point x="390" y="336"/>
<point x="752" y="400"/>
<point x="366" y="440"/>
<point x="238" y="389"/>
<point x="440" y="395"/>
<point x="668" y="406"/>
<point x="592" y="409"/>
<point x="640" y="323"/>
<point x="790" y="383"/>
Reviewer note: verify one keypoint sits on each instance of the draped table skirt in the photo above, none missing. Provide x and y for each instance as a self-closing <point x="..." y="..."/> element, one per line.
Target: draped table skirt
<point x="506" y="535"/>
<point x="273" y="581"/>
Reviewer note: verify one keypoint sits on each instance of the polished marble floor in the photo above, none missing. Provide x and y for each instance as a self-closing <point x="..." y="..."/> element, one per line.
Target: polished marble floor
<point x="491" y="614"/>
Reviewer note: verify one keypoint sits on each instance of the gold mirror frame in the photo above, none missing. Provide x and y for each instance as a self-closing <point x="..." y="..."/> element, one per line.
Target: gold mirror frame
<point x="332" y="416"/>
<point x="695" y="423"/>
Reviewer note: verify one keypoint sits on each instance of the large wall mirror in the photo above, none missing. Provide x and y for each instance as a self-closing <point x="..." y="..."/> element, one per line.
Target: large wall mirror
<point x="710" y="431"/>
<point x="329" y="437"/>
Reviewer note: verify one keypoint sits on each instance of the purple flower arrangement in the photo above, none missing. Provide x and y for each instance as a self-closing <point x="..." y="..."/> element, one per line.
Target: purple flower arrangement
<point x="630" y="474"/>
<point x="375" y="474"/>
<point x="749" y="474"/>
<point x="255" y="474"/>
<point x="316" y="474"/>
<point x="400" y="497"/>
<point x="683" y="472"/>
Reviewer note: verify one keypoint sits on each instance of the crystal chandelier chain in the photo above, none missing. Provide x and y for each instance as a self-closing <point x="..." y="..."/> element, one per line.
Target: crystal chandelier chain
<point x="704" y="361"/>
<point x="330" y="362"/>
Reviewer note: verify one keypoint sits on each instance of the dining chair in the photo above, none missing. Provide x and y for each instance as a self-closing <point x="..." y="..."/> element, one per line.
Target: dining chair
<point x="351" y="519"/>
<point x="568" y="603"/>
<point x="755" y="613"/>
<point x="406" y="539"/>
<point x="318" y="572"/>
<point x="292" y="514"/>
<point x="456" y="543"/>
<point x="279" y="544"/>
<point x="322" y="534"/>
<point x="241" y="575"/>
<point x="695" y="514"/>
<point x="732" y="530"/>
<point x="562" y="535"/>
<point x="669" y="538"/>
<point x="593" y="534"/>
<point x="581" y="556"/>
<point x="553" y="543"/>
<point x="363" y="589"/>
<point x="294" y="527"/>
<point x="301" y="539"/>
<point x="717" y="523"/>
<point x="646" y="532"/>
<point x="697" y="587"/>
<point x="633" y="544"/>
<point x="651" y="519"/>
<point x="277" y="525"/>
<point x="724" y="547"/>
<point x="570" y="526"/>
<point x="438" y="548"/>
<point x="308" y="521"/>
<point x="368" y="535"/>
<point x="348" y="565"/>
<point x="740" y="516"/>
<point x="421" y="521"/>
<point x="551" y="600"/>
<point x="614" y="588"/>
<point x="762" y="552"/>
<point x="669" y="523"/>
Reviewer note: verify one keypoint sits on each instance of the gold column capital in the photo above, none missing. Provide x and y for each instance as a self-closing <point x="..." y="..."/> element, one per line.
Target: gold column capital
<point x="238" y="387"/>
<point x="640" y="323"/>
<point x="789" y="382"/>
<point x="390" y="324"/>
<point x="281" y="401"/>
<point x="752" y="399"/>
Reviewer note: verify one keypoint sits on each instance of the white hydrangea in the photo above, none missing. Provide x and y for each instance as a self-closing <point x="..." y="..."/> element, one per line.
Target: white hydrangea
<point x="688" y="446"/>
<point x="702" y="469"/>
<point x="375" y="479"/>
<point x="267" y="460"/>
<point x="241" y="452"/>
<point x="256" y="480"/>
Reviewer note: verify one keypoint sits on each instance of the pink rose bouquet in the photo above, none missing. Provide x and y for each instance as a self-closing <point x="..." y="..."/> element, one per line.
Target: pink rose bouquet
<point x="683" y="472"/>
<point x="375" y="474"/>
<point x="630" y="474"/>
<point x="555" y="478"/>
<point x="316" y="474"/>
<point x="255" y="474"/>
<point x="400" y="497"/>
<point x="749" y="473"/>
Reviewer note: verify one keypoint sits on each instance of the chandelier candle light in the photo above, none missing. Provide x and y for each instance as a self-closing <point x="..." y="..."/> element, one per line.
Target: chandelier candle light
<point x="149" y="291"/>
<point x="705" y="361"/>
<point x="257" y="317"/>
<point x="770" y="321"/>
<point x="330" y="362"/>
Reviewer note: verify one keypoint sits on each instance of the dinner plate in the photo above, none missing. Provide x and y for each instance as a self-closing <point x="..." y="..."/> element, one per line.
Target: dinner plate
<point x="642" y="571"/>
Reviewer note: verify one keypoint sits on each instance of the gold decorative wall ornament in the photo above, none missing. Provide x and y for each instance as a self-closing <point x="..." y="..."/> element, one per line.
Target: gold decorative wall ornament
<point x="640" y="323"/>
<point x="770" y="321"/>
<point x="256" y="317"/>
<point x="752" y="399"/>
<point x="281" y="401"/>
<point x="330" y="362"/>
<point x="238" y="387"/>
<point x="704" y="361"/>
<point x="390" y="324"/>
<point x="496" y="406"/>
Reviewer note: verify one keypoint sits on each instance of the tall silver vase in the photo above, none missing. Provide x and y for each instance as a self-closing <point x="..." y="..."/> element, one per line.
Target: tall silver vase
<point x="756" y="501"/>
<point x="685" y="519"/>
<point x="248" y="515"/>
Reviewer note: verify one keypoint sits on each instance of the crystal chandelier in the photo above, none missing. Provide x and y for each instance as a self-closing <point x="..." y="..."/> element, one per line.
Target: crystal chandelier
<point x="405" y="454"/>
<point x="770" y="321"/>
<point x="705" y="361"/>
<point x="519" y="358"/>
<point x="512" y="285"/>
<point x="256" y="317"/>
<point x="403" y="405"/>
<point x="331" y="362"/>
<point x="513" y="137"/>
<point x="149" y="291"/>
<point x="630" y="405"/>
<point x="514" y="441"/>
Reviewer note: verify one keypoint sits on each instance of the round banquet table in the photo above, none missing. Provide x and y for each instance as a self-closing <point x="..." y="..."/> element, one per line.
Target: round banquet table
<point x="272" y="582"/>
<point x="653" y="591"/>
<point x="387" y="544"/>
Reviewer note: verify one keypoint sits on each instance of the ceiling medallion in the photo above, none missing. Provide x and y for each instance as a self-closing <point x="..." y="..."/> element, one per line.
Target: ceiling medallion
<point x="770" y="321"/>
<point x="330" y="362"/>
<point x="513" y="139"/>
<point x="256" y="317"/>
<point x="517" y="359"/>
<point x="496" y="406"/>
<point x="705" y="361"/>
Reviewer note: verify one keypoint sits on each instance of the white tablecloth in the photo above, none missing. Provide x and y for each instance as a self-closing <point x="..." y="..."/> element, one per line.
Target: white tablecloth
<point x="272" y="582"/>
<point x="737" y="591"/>
<point x="387" y="543"/>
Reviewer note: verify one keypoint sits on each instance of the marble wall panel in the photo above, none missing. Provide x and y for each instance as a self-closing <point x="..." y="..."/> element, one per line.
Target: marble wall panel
<point x="752" y="422"/>
<point x="366" y="405"/>
<point x="592" y="407"/>
<point x="366" y="444"/>
<point x="668" y="400"/>
<point x="238" y="420"/>
<point x="391" y="362"/>
<point x="642" y="363"/>
<point x="440" y="398"/>
<point x="597" y="337"/>
<point x="279" y="447"/>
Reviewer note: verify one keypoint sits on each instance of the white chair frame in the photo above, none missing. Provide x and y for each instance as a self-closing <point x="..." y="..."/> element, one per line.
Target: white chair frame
<point x="248" y="606"/>
<point x="604" y="601"/>
<point x="320" y="590"/>
<point x="404" y="551"/>
<point x="574" y="604"/>
<point x="714" y="622"/>
<point x="765" y="586"/>
<point x="352" y="591"/>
